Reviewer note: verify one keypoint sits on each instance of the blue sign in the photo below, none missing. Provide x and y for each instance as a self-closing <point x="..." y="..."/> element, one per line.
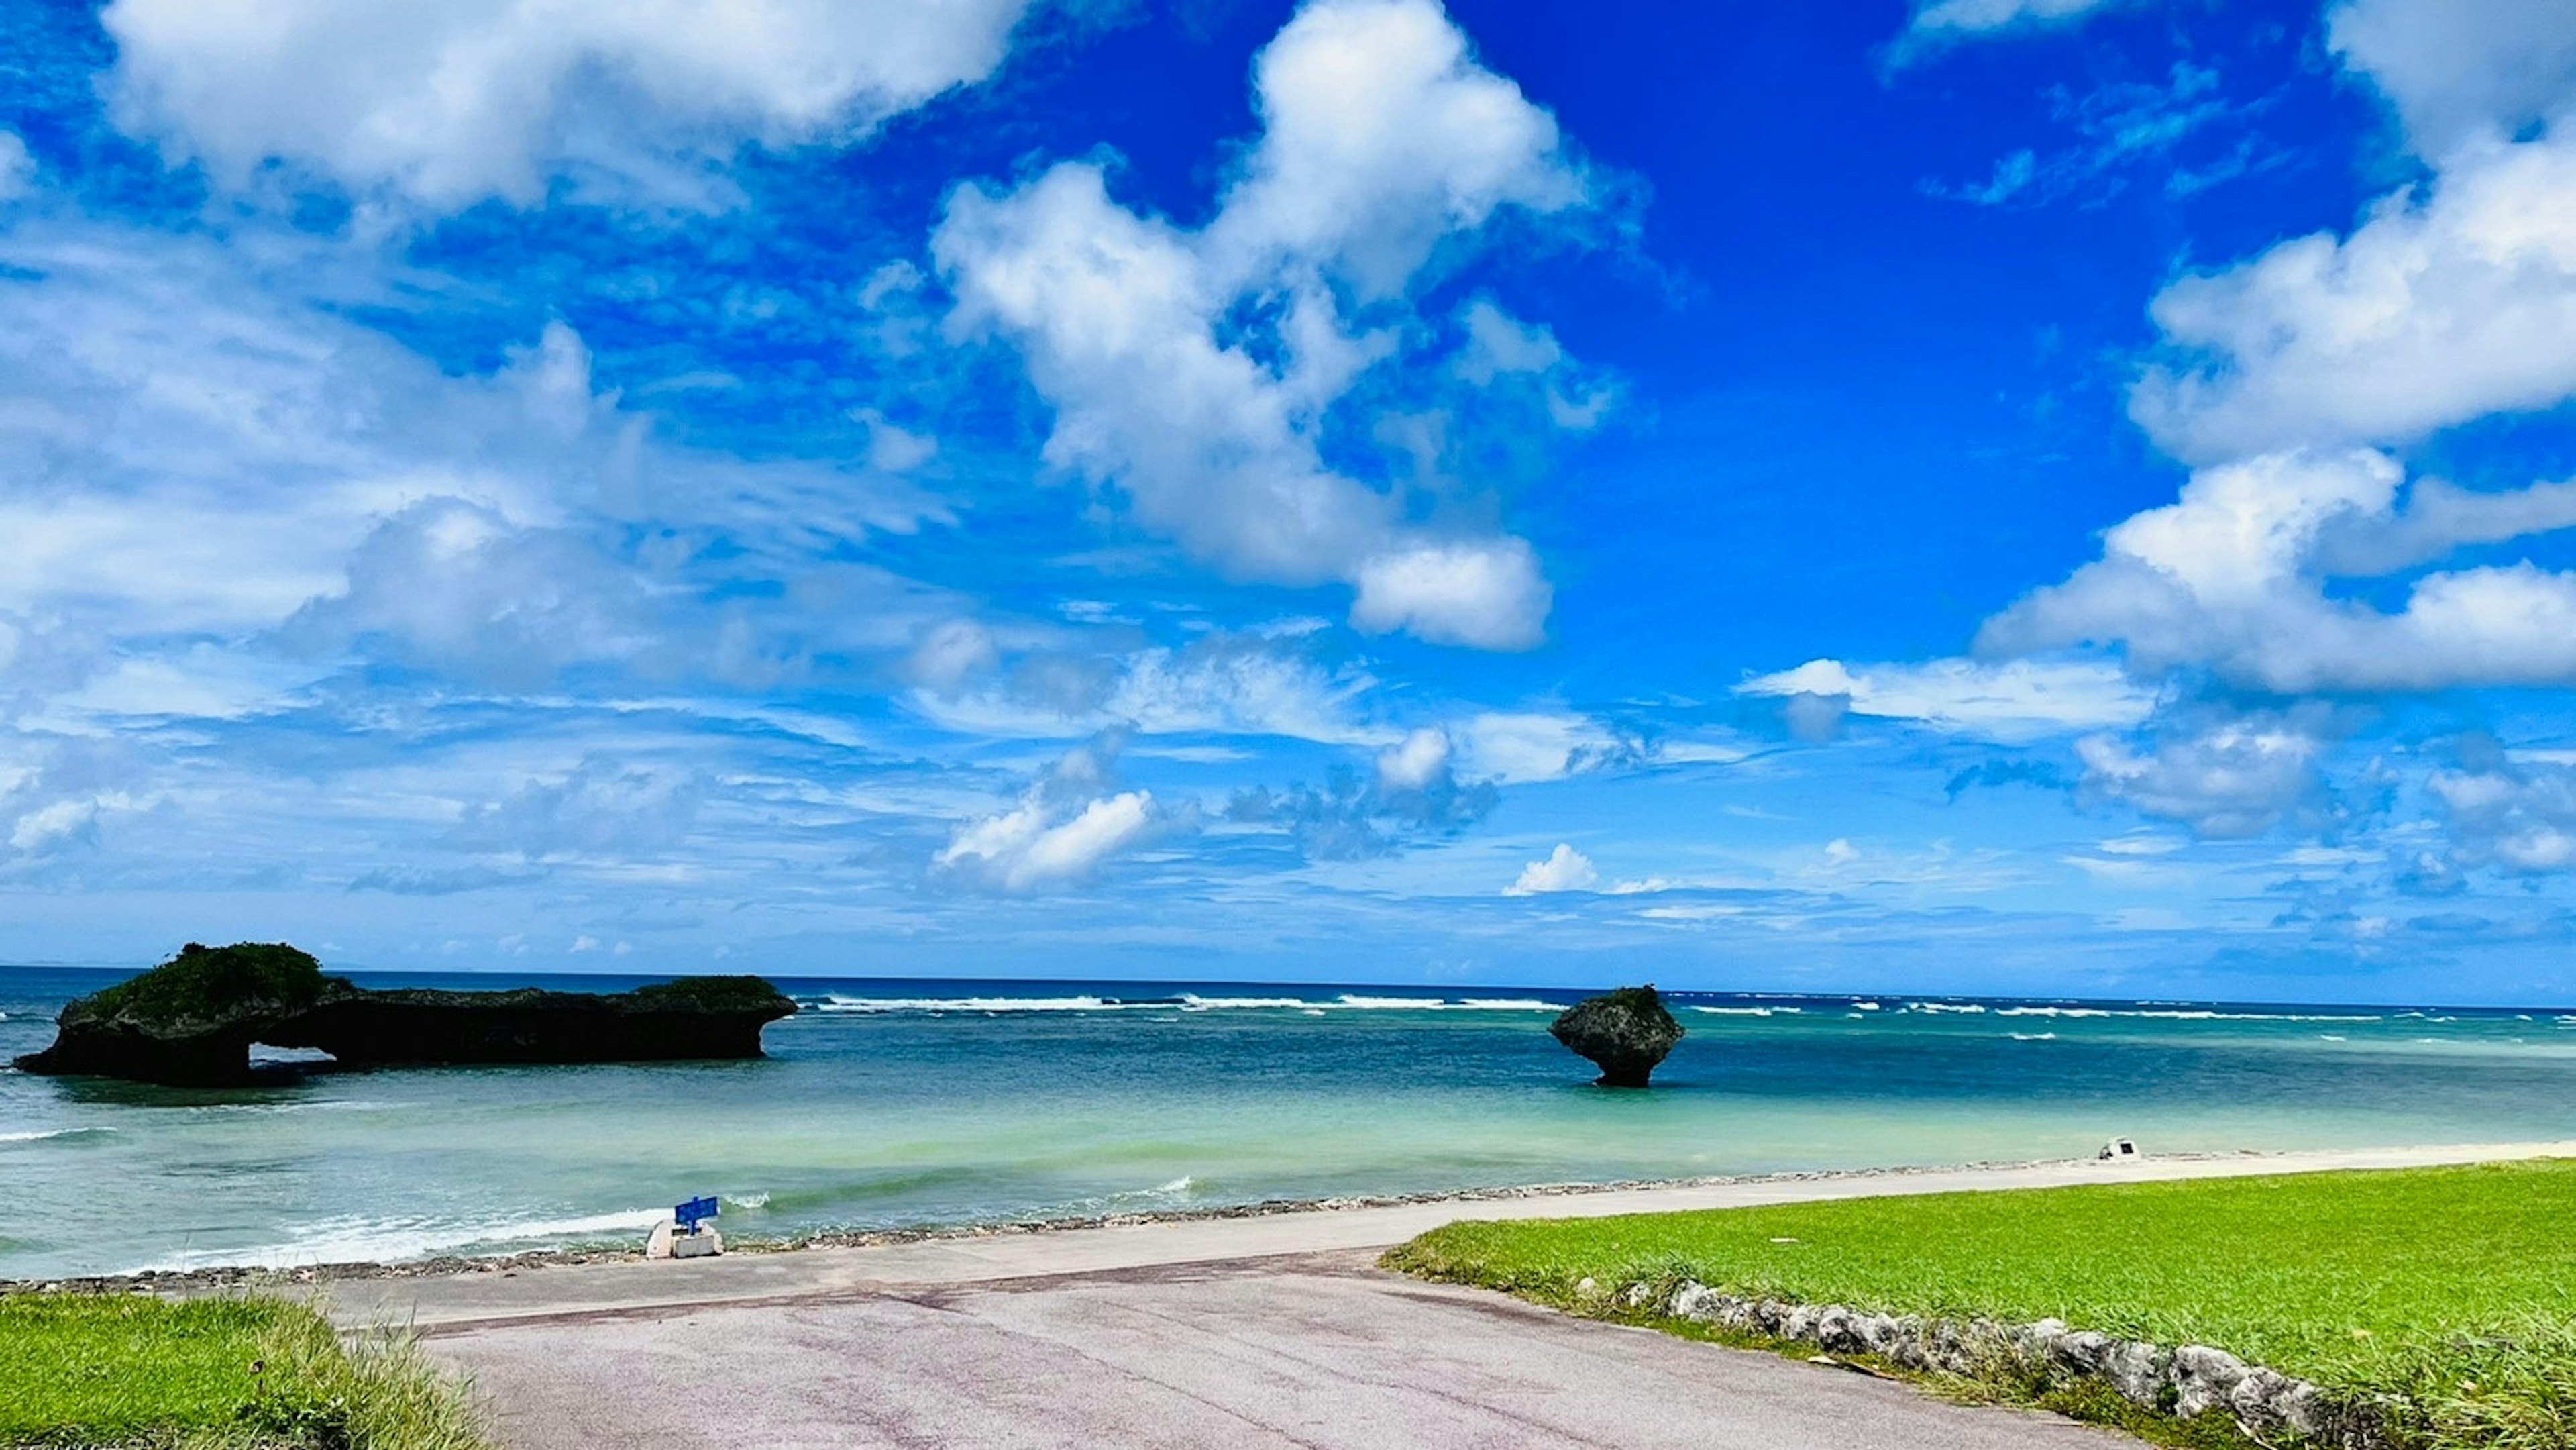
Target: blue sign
<point x="696" y="1210"/>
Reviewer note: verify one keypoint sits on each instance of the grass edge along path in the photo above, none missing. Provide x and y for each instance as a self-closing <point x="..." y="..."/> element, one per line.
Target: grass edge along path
<point x="2444" y="1297"/>
<point x="235" y="1372"/>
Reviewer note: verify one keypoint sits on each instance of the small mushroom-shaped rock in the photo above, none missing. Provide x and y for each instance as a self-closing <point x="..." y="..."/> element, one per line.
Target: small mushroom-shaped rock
<point x="1625" y="1033"/>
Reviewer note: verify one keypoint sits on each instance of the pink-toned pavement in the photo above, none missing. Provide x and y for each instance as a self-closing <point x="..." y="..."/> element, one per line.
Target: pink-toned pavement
<point x="1254" y="1332"/>
<point x="1317" y="1351"/>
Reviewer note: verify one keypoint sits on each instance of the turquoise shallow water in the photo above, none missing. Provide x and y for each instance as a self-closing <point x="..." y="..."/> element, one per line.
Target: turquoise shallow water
<point x="891" y="1104"/>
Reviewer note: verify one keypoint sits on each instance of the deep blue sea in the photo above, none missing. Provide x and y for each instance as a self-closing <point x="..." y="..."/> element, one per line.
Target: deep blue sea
<point x="891" y="1103"/>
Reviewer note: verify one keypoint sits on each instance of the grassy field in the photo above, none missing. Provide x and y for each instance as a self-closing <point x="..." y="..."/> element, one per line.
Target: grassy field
<point x="129" y="1370"/>
<point x="2454" y="1288"/>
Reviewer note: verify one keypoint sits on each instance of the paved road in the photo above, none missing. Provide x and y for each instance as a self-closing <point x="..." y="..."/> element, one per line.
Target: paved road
<point x="1255" y="1332"/>
<point x="1315" y="1351"/>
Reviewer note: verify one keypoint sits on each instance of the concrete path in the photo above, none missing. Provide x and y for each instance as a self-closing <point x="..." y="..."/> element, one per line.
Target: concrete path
<point x="1318" y="1351"/>
<point x="574" y="1288"/>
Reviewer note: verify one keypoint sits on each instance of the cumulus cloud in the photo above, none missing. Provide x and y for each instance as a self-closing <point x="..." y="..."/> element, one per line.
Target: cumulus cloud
<point x="2441" y="306"/>
<point x="1032" y="846"/>
<point x="1515" y="747"/>
<point x="1061" y="832"/>
<point x="2445" y="303"/>
<point x="1349" y="817"/>
<point x="2005" y="700"/>
<point x="1194" y="371"/>
<point x="2233" y="578"/>
<point x="455" y="587"/>
<point x="2460" y="70"/>
<point x="1483" y="595"/>
<point x="1565" y="869"/>
<point x="448" y="104"/>
<point x="1414" y="762"/>
<point x="2225" y="775"/>
<point x="2512" y="811"/>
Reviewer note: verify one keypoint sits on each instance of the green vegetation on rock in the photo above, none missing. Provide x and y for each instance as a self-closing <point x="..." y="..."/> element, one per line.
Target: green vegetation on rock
<point x="204" y="983"/>
<point x="712" y="994"/>
<point x="214" y="1374"/>
<point x="2452" y="1290"/>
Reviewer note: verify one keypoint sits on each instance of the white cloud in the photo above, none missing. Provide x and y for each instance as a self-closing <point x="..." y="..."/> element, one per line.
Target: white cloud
<point x="1938" y="24"/>
<point x="1036" y="846"/>
<point x="17" y="167"/>
<point x="203" y="681"/>
<point x="602" y="807"/>
<point x="2510" y="812"/>
<point x="1413" y="764"/>
<point x="2460" y="70"/>
<point x="61" y="798"/>
<point x="1500" y="347"/>
<point x="951" y="652"/>
<point x="1193" y="372"/>
<point x="2006" y="700"/>
<point x="2438" y="308"/>
<point x="1565" y="869"/>
<point x="1515" y="748"/>
<point x="2233" y="577"/>
<point x="2225" y="777"/>
<point x="448" y="104"/>
<point x="197" y="446"/>
<point x="1381" y="135"/>
<point x="451" y="586"/>
<point x="1218" y="685"/>
<point x="1484" y="595"/>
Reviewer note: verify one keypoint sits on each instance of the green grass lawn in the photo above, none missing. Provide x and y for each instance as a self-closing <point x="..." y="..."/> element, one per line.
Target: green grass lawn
<point x="2454" y="1287"/>
<point x="96" y="1369"/>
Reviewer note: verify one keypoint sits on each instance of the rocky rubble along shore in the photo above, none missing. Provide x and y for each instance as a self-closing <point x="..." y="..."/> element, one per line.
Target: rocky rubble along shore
<point x="252" y="1275"/>
<point x="2191" y="1380"/>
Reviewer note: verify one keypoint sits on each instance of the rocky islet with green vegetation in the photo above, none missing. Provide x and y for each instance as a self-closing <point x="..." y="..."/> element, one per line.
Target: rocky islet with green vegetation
<point x="191" y="1020"/>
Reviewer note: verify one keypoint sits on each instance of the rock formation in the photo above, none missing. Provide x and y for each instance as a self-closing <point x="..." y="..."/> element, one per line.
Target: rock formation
<point x="192" y="1020"/>
<point x="1625" y="1033"/>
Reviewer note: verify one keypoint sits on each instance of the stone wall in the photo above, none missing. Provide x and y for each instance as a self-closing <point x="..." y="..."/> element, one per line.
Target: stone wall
<point x="2193" y="1379"/>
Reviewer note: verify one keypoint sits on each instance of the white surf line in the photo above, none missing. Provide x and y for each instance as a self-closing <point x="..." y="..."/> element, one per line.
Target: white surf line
<point x="577" y="1289"/>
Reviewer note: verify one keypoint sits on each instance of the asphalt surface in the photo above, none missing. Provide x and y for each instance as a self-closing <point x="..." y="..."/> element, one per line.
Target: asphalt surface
<point x="1316" y="1351"/>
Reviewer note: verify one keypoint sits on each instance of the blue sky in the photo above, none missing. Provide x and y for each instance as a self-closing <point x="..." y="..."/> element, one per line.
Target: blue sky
<point x="2030" y="496"/>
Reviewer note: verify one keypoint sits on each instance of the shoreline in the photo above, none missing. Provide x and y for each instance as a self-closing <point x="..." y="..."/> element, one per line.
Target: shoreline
<point x="219" y="1276"/>
<point x="1581" y="1198"/>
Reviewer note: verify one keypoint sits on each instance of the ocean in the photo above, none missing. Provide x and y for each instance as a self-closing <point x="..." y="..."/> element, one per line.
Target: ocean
<point x="898" y="1104"/>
